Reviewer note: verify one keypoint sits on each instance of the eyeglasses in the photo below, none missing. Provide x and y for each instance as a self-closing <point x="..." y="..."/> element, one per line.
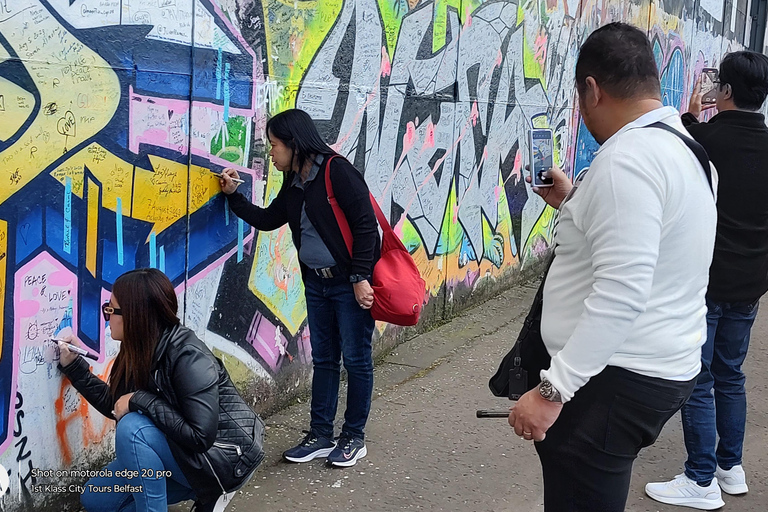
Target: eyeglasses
<point x="108" y="310"/>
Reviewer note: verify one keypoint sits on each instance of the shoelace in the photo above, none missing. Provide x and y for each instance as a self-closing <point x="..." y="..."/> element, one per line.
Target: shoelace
<point x="344" y="442"/>
<point x="309" y="439"/>
<point x="680" y="481"/>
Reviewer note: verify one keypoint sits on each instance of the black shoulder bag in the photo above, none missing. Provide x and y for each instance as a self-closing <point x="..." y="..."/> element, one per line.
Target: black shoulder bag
<point x="519" y="371"/>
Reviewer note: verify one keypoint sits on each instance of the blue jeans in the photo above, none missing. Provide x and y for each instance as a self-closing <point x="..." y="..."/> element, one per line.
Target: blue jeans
<point x="338" y="326"/>
<point x="142" y="449"/>
<point x="725" y="414"/>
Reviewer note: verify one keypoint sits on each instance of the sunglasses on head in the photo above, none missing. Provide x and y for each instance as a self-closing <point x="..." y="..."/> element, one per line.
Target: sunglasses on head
<point x="108" y="310"/>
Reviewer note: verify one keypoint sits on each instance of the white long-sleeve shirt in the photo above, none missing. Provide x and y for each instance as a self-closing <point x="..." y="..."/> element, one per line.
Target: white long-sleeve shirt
<point x="634" y="245"/>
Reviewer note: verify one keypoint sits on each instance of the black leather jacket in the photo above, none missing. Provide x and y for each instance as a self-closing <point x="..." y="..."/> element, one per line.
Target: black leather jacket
<point x="215" y="437"/>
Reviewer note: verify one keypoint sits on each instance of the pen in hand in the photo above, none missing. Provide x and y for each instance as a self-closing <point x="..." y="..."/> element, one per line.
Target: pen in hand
<point x="76" y="350"/>
<point x="218" y="174"/>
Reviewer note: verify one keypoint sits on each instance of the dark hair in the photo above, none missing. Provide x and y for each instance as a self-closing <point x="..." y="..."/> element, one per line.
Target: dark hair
<point x="620" y="59"/>
<point x="296" y="129"/>
<point x="149" y="305"/>
<point x="747" y="73"/>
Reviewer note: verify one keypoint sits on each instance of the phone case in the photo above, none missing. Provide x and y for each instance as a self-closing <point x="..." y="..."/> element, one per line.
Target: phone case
<point x="710" y="75"/>
<point x="535" y="181"/>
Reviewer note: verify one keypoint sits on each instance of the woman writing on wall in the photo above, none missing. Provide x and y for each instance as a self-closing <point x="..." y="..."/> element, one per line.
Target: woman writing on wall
<point x="338" y="292"/>
<point x="174" y="405"/>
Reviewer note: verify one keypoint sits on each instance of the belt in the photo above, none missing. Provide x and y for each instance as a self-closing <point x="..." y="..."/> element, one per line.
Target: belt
<point x="328" y="272"/>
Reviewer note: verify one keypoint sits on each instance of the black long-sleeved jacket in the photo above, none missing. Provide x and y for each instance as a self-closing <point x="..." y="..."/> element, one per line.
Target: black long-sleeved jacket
<point x="737" y="143"/>
<point x="353" y="197"/>
<point x="213" y="434"/>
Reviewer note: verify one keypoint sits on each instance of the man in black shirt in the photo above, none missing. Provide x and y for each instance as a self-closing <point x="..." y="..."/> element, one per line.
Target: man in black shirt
<point x="736" y="140"/>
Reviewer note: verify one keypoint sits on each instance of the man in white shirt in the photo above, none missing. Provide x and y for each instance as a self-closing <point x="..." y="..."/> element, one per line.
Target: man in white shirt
<point x="624" y="316"/>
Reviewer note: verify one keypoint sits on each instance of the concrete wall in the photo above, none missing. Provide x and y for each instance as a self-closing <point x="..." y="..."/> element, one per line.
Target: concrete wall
<point x="112" y="112"/>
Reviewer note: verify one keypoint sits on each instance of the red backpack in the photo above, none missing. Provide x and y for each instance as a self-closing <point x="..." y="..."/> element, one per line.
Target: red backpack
<point x="398" y="289"/>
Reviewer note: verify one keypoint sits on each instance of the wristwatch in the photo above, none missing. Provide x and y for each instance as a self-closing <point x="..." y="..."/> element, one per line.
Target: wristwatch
<point x="356" y="278"/>
<point x="548" y="392"/>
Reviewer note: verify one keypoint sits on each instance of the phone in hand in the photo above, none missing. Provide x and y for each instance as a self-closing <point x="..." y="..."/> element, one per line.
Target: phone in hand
<point x="541" y="156"/>
<point x="709" y="85"/>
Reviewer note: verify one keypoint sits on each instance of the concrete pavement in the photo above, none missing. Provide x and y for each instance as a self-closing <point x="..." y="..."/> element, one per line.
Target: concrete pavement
<point x="428" y="451"/>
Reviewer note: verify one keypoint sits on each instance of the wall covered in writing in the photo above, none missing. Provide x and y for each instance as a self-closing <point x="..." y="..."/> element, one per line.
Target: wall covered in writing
<point x="113" y="113"/>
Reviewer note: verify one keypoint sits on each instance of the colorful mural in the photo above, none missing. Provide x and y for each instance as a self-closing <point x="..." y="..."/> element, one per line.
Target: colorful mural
<point x="113" y="113"/>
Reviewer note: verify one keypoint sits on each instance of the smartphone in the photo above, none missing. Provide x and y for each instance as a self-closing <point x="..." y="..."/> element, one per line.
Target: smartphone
<point x="709" y="85"/>
<point x="541" y="156"/>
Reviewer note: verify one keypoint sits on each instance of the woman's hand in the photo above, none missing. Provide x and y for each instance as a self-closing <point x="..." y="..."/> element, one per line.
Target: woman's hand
<point x="363" y="293"/>
<point x="121" y="406"/>
<point x="555" y="194"/>
<point x="228" y="186"/>
<point x="66" y="356"/>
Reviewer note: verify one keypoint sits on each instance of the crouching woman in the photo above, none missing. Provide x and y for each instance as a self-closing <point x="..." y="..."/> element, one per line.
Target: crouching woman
<point x="183" y="431"/>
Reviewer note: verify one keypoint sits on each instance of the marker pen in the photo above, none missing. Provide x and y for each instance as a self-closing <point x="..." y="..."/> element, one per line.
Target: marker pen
<point x="236" y="180"/>
<point x="76" y="350"/>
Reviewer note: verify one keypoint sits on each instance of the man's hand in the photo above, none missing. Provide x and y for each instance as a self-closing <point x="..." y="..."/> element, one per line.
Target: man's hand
<point x="228" y="186"/>
<point x="363" y="293"/>
<point x="555" y="194"/>
<point x="695" y="106"/>
<point x="121" y="406"/>
<point x="532" y="416"/>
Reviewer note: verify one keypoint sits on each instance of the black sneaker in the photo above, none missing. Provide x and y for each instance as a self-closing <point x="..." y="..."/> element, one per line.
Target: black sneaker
<point x="311" y="447"/>
<point x="347" y="452"/>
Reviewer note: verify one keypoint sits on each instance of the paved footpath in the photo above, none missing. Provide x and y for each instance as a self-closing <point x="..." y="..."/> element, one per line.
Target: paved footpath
<point x="428" y="451"/>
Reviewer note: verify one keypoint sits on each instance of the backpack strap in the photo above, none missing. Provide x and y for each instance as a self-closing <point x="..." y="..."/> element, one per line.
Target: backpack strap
<point x="697" y="149"/>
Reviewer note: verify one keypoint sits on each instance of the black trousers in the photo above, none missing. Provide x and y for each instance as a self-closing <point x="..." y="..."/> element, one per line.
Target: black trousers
<point x="588" y="453"/>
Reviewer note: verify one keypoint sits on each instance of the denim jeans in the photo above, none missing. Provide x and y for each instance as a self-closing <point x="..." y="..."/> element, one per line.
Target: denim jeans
<point x="725" y="414"/>
<point x="142" y="449"/>
<point x="587" y="456"/>
<point x="338" y="326"/>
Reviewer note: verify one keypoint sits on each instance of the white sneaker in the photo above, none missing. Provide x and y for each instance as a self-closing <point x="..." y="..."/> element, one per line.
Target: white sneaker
<point x="685" y="492"/>
<point x="733" y="481"/>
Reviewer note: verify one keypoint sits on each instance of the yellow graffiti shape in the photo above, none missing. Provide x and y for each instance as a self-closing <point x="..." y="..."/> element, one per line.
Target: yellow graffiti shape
<point x="114" y="174"/>
<point x="160" y="197"/>
<point x="79" y="94"/>
<point x="16" y="106"/>
<point x="3" y="260"/>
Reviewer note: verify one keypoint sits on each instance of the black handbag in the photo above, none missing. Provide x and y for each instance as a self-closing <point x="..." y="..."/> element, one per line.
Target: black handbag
<point x="519" y="371"/>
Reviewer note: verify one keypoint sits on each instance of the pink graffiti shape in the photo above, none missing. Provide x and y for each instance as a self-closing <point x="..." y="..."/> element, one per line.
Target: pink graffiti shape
<point x="27" y="308"/>
<point x="540" y="47"/>
<point x="430" y="138"/>
<point x="60" y="278"/>
<point x="475" y="114"/>
<point x="386" y="66"/>
<point x="410" y="137"/>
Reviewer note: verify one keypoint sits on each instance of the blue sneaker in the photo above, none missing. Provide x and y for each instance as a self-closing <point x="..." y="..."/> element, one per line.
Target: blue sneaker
<point x="347" y="452"/>
<point x="311" y="447"/>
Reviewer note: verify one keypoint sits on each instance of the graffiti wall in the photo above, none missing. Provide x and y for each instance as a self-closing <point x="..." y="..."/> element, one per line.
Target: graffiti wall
<point x="115" y="115"/>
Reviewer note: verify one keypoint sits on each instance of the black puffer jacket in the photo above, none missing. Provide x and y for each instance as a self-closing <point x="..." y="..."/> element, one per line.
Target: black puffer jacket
<point x="215" y="437"/>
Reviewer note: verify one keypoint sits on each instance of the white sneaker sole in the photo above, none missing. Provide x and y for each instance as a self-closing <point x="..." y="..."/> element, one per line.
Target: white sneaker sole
<point x="319" y="453"/>
<point x="223" y="501"/>
<point x="733" y="490"/>
<point x="699" y="503"/>
<point x="351" y="462"/>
